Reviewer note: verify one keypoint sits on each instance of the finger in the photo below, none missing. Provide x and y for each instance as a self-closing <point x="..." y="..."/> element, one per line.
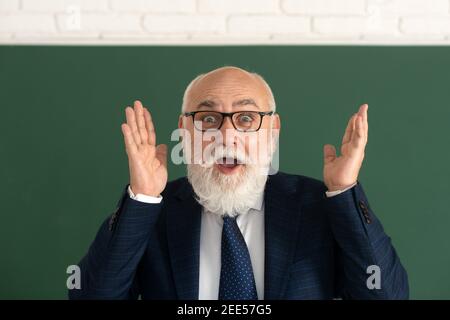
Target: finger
<point x="131" y="121"/>
<point x="150" y="127"/>
<point x="358" y="134"/>
<point x="161" y="154"/>
<point x="365" y="120"/>
<point x="130" y="145"/>
<point x="139" y="112"/>
<point x="349" y="129"/>
<point x="363" y="112"/>
<point x="329" y="153"/>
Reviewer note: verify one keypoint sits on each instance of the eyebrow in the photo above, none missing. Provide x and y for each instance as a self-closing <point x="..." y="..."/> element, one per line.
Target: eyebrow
<point x="242" y="102"/>
<point x="207" y="103"/>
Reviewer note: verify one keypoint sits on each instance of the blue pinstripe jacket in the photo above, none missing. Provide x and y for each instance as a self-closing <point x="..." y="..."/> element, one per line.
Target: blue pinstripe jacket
<point x="315" y="247"/>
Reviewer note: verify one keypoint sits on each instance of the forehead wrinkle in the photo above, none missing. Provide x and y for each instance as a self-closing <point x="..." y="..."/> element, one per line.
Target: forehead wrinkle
<point x="235" y="92"/>
<point x="245" y="101"/>
<point x="217" y="89"/>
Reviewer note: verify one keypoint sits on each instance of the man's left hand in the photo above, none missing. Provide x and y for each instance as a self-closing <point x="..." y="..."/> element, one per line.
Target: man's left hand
<point x="340" y="172"/>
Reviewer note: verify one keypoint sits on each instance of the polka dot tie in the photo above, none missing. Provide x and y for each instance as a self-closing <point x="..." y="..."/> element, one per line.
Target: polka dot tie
<point x="236" y="275"/>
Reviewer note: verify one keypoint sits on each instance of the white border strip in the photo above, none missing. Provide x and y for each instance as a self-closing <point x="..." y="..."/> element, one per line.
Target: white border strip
<point x="221" y="42"/>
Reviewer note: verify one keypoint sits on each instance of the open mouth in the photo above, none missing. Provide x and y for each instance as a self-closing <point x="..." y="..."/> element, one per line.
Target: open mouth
<point x="228" y="165"/>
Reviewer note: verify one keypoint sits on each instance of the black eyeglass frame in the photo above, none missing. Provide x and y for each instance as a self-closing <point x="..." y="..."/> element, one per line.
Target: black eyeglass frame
<point x="229" y="114"/>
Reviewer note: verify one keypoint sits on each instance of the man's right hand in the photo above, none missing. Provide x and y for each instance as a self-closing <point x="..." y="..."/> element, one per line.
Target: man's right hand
<point x="147" y="162"/>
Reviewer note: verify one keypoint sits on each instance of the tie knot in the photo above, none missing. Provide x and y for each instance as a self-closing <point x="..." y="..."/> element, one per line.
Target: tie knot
<point x="229" y="221"/>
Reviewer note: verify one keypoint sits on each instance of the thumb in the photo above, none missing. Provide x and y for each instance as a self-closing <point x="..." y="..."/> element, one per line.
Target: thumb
<point x="161" y="154"/>
<point x="329" y="153"/>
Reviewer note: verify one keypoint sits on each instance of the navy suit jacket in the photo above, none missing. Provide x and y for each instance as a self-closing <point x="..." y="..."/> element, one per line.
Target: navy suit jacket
<point x="315" y="247"/>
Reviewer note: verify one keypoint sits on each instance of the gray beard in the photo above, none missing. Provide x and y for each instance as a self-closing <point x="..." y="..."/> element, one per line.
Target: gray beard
<point x="227" y="195"/>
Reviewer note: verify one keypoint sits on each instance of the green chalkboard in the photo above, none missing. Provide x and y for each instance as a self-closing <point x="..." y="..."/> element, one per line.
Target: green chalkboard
<point x="63" y="165"/>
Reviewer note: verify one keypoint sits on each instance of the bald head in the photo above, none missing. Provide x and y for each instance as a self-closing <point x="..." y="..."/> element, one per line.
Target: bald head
<point x="226" y="87"/>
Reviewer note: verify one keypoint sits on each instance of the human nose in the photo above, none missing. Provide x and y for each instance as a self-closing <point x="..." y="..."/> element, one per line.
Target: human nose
<point x="228" y="132"/>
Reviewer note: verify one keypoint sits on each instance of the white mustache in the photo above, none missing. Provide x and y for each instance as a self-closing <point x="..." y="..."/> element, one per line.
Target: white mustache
<point x="230" y="154"/>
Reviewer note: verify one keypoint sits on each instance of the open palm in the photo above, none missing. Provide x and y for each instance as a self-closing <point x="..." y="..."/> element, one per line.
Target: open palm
<point x="342" y="171"/>
<point x="147" y="162"/>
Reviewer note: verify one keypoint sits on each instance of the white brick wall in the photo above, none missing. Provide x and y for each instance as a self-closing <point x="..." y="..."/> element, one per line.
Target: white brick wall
<point x="225" y="21"/>
<point x="53" y="6"/>
<point x="154" y="6"/>
<point x="325" y="7"/>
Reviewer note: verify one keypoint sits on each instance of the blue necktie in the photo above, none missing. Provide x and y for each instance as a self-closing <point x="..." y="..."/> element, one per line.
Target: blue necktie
<point x="236" y="275"/>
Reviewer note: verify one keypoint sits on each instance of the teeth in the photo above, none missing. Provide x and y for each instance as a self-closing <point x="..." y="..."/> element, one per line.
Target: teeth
<point x="227" y="161"/>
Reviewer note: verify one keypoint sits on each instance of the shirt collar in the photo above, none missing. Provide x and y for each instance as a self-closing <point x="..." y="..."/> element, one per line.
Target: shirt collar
<point x="258" y="204"/>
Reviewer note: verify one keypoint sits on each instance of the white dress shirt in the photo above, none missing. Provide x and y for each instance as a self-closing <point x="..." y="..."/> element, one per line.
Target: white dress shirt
<point x="252" y="229"/>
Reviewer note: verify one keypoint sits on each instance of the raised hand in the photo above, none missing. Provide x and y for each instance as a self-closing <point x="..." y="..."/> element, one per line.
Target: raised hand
<point x="342" y="171"/>
<point x="147" y="162"/>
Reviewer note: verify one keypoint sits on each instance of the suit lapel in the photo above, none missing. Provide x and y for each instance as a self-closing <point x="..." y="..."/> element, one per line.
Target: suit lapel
<point x="183" y="235"/>
<point x="281" y="212"/>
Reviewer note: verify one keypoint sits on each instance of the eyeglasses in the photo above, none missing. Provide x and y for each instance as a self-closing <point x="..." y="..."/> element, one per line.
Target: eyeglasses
<point x="244" y="121"/>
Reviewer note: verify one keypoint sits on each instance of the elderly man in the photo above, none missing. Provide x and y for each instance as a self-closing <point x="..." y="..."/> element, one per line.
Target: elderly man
<point x="229" y="230"/>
